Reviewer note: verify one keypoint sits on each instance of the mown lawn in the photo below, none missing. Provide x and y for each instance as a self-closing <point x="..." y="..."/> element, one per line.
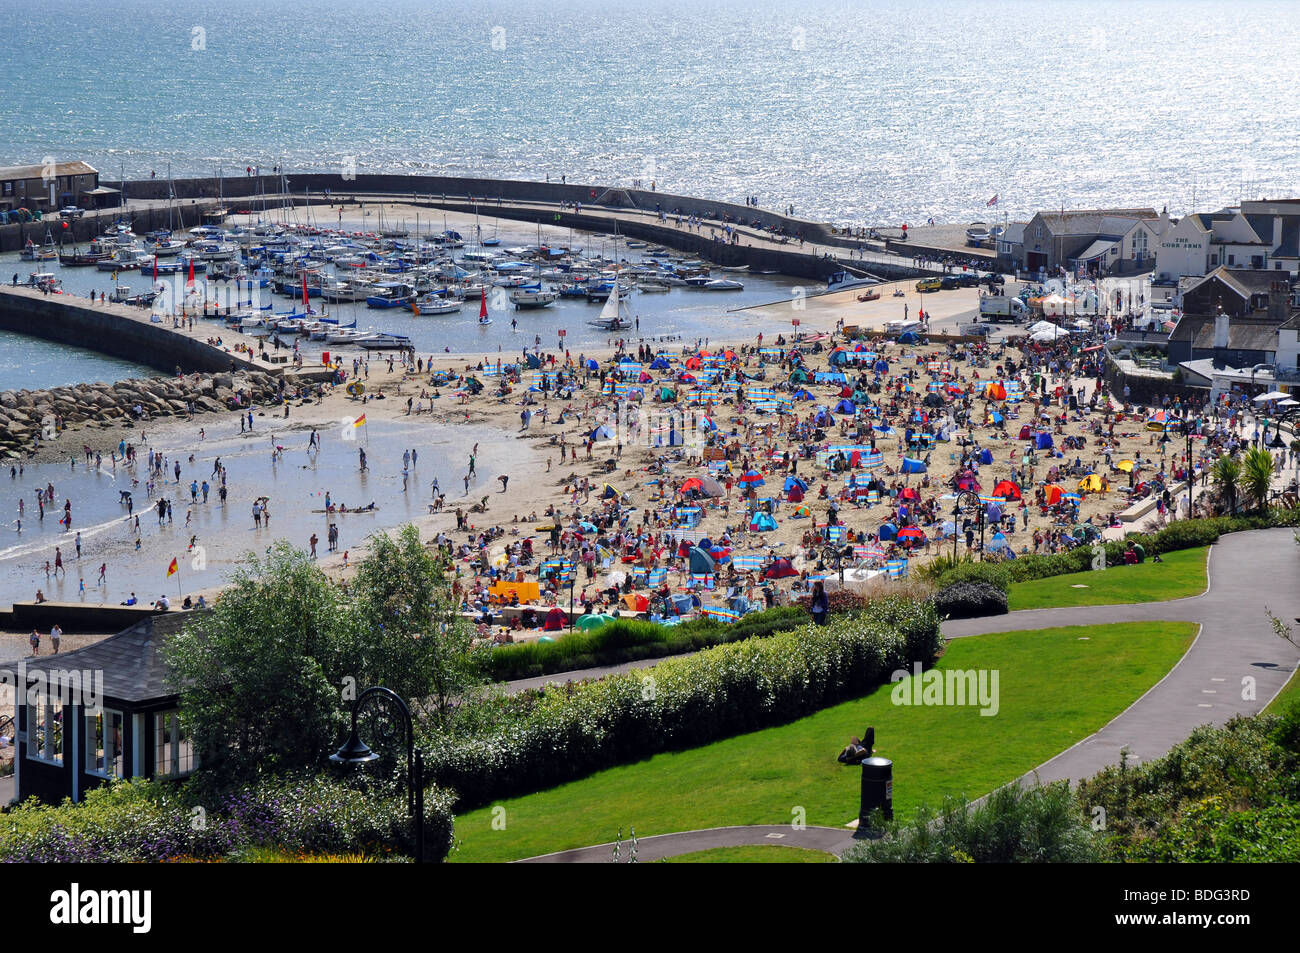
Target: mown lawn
<point x="756" y="854"/>
<point x="1055" y="686"/>
<point x="1181" y="573"/>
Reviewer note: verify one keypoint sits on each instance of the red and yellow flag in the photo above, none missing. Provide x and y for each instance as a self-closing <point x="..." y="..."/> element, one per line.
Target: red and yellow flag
<point x="173" y="569"/>
<point x="360" y="421"/>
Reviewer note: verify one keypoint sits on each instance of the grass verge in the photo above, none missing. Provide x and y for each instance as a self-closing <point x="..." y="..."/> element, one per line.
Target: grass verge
<point x="1180" y="574"/>
<point x="1055" y="687"/>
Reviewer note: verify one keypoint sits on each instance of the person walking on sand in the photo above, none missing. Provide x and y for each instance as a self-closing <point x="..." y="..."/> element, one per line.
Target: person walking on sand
<point x="58" y="561"/>
<point x="103" y="573"/>
<point x="505" y="481"/>
<point x="35" y="640"/>
<point x="56" y="634"/>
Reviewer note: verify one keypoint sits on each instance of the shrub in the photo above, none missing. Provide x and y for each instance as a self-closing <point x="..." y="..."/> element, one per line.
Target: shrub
<point x="1040" y="825"/>
<point x="628" y="640"/>
<point x="993" y="574"/>
<point x="539" y="740"/>
<point x="967" y="600"/>
<point x="153" y="821"/>
<point x="837" y="600"/>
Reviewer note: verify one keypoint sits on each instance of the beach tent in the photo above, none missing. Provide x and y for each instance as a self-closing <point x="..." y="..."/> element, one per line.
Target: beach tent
<point x="887" y="532"/>
<point x="882" y="366"/>
<point x="751" y="478"/>
<point x="780" y="569"/>
<point x="999" y="541"/>
<point x="761" y="523"/>
<point x="932" y="400"/>
<point x="603" y="432"/>
<point x="658" y="364"/>
<point x="824" y="418"/>
<point x="794" y="495"/>
<point x="1053" y="493"/>
<point x="473" y="385"/>
<point x="846" y="407"/>
<point x="801" y="512"/>
<point x="1044" y="441"/>
<point x="798" y="376"/>
<point x="593" y="364"/>
<point x="667" y="393"/>
<point x="700" y="561"/>
<point x="556" y="619"/>
<point x="803" y="394"/>
<point x="1092" y="483"/>
<point x="610" y="492"/>
<point x="1007" y="490"/>
<point x="1125" y="465"/>
<point x="986" y="456"/>
<point x="635" y="602"/>
<point x="995" y="391"/>
<point x="908" y="337"/>
<point x="968" y="482"/>
<point x="793" y="481"/>
<point x="911" y="465"/>
<point x="1026" y="433"/>
<point x="533" y="361"/>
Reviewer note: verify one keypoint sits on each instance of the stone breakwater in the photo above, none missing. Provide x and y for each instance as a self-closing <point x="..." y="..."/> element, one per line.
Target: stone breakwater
<point x="30" y="418"/>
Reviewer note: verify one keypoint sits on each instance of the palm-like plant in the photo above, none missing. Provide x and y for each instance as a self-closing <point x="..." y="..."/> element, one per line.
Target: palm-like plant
<point x="1226" y="473"/>
<point x="1256" y="478"/>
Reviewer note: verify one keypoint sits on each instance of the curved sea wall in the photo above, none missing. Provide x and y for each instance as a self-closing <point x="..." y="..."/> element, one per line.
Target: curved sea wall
<point x="117" y="330"/>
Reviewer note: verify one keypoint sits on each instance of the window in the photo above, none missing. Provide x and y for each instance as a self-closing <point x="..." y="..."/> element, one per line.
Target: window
<point x="173" y="749"/>
<point x="8" y="188"/>
<point x="104" y="744"/>
<point x="45" y="730"/>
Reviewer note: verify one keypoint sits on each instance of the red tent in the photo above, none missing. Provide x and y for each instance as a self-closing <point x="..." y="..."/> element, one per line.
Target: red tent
<point x="1007" y="490"/>
<point x="780" y="569"/>
<point x="1025" y="434"/>
<point x="556" y="619"/>
<point x="795" y="495"/>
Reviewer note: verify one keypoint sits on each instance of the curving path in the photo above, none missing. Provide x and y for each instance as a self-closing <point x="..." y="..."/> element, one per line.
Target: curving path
<point x="1236" y="665"/>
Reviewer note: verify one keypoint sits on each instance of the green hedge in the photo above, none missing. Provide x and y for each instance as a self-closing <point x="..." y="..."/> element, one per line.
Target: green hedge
<point x="563" y="734"/>
<point x="631" y="640"/>
<point x="156" y="821"/>
<point x="1181" y="534"/>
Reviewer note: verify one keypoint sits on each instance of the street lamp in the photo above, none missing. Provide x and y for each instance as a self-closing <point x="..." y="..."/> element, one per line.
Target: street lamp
<point x="1190" y="427"/>
<point x="355" y="751"/>
<point x="970" y="503"/>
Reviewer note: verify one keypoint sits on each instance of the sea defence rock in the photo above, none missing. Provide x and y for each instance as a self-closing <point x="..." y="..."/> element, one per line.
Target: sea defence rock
<point x="29" y="419"/>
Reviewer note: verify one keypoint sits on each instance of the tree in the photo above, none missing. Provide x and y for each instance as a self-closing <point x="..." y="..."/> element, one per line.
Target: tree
<point x="1256" y="478"/>
<point x="259" y="676"/>
<point x="1226" y="474"/>
<point x="409" y="636"/>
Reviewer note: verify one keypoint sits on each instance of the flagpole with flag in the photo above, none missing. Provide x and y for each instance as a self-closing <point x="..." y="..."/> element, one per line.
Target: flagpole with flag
<point x="175" y="570"/>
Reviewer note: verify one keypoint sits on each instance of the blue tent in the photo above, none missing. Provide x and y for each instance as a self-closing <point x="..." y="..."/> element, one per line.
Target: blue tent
<point x="659" y="364"/>
<point x="705" y="544"/>
<point x="802" y="394"/>
<point x="986" y="456"/>
<point x="603" y="432"/>
<point x="792" y="481"/>
<point x="1044" y="441"/>
<point x="762" y="523"/>
<point x="846" y="406"/>
<point x="533" y="361"/>
<point x="701" y="562"/>
<point x="911" y="465"/>
<point x="824" y="419"/>
<point x="593" y="364"/>
<point x="882" y="366"/>
<point x="887" y="532"/>
<point x="908" y="337"/>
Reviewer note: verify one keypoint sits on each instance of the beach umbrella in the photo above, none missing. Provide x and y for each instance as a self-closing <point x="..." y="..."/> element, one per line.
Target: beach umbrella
<point x="1125" y="465"/>
<point x="751" y="478"/>
<point x="615" y="578"/>
<point x="910" y="534"/>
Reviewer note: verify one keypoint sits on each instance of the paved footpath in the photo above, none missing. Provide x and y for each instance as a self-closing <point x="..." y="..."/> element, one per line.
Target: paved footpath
<point x="1235" y="667"/>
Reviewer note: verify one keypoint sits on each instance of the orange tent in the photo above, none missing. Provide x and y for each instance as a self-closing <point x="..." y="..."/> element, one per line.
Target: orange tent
<point x="995" y="391"/>
<point x="1053" y="493"/>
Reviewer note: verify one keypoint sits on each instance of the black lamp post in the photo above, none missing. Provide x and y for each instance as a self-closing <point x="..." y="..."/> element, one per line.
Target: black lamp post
<point x="970" y="503"/>
<point x="356" y="751"/>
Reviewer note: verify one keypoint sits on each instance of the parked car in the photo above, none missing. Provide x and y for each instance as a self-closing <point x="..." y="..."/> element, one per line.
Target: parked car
<point x="929" y="284"/>
<point x="71" y="212"/>
<point x="993" y="278"/>
<point x="949" y="282"/>
<point x="968" y="279"/>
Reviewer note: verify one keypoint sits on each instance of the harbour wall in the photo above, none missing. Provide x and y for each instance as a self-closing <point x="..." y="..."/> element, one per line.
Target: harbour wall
<point x="117" y="330"/>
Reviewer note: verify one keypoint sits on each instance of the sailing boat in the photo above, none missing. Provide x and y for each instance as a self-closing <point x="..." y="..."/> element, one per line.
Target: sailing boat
<point x="614" y="315"/>
<point x="482" y="310"/>
<point x="532" y="296"/>
<point x="493" y="240"/>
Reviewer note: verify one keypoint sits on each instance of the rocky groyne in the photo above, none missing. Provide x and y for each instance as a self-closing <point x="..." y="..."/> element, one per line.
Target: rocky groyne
<point x="30" y="419"/>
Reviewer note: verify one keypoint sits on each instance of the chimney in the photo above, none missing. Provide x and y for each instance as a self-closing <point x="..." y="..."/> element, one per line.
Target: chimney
<point x="1279" y="300"/>
<point x="1220" y="330"/>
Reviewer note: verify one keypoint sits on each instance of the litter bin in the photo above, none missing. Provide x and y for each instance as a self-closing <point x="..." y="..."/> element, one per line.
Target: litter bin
<point x="877" y="790"/>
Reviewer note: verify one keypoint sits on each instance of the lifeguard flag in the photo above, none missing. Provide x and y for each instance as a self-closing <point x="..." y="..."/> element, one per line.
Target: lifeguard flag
<point x="173" y="569"/>
<point x="482" y="308"/>
<point x="191" y="281"/>
<point x="360" y="421"/>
